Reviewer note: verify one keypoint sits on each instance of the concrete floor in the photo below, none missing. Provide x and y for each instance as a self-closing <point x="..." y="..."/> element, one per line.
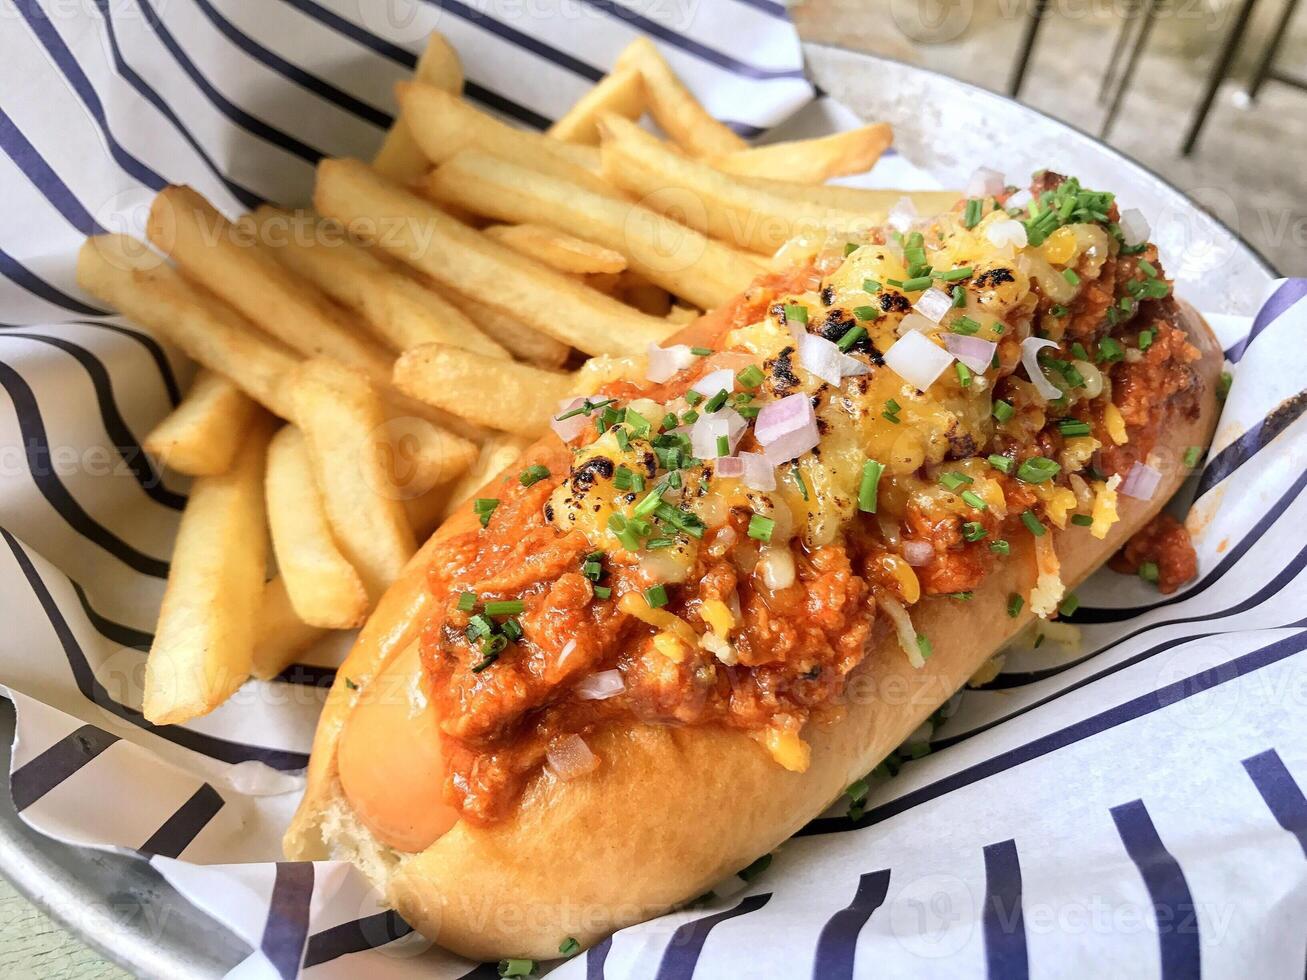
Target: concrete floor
<point x="1250" y="167"/>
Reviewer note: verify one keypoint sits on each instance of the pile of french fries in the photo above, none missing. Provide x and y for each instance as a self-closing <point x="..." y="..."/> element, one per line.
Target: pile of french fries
<point x="365" y="367"/>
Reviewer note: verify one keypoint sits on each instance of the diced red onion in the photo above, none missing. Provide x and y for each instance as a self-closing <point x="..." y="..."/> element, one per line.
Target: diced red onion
<point x="1020" y="199"/>
<point x="708" y="428"/>
<point x="902" y="214"/>
<point x="666" y="361"/>
<point x="722" y="379"/>
<point x="571" y="758"/>
<point x="820" y="357"/>
<point x="1134" y="227"/>
<point x="729" y="466"/>
<point x="915" y="321"/>
<point x="1141" y="482"/>
<point x="975" y="353"/>
<point x="986" y="183"/>
<point x="916" y="360"/>
<point x="933" y="304"/>
<point x="786" y="428"/>
<point x="1030" y="348"/>
<point x="759" y="474"/>
<point x="918" y="553"/>
<point x="600" y="686"/>
<point x="1005" y="232"/>
<point x="569" y="428"/>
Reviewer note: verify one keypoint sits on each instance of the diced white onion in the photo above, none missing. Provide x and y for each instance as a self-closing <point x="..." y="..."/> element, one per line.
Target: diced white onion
<point x="918" y="553"/>
<point x="708" y="428"/>
<point x="722" y="379"/>
<point x="820" y="357"/>
<point x="916" y="360"/>
<point x="664" y="362"/>
<point x="1134" y="227"/>
<point x="1141" y="482"/>
<point x="975" y="353"/>
<point x="600" y="686"/>
<point x="570" y="758"/>
<point x="903" y="626"/>
<point x="569" y="648"/>
<point x="917" y="322"/>
<point x="851" y="367"/>
<point x="569" y="428"/>
<point x="759" y="473"/>
<point x="786" y="428"/>
<point x="1020" y="199"/>
<point x="1006" y="231"/>
<point x="933" y="304"/>
<point x="986" y="183"/>
<point x="902" y="214"/>
<point x="1030" y="348"/>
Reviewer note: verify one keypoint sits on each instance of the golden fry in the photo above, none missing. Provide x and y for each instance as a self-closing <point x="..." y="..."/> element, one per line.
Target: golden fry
<point x="678" y="112"/>
<point x="399" y="157"/>
<point x="621" y="92"/>
<point x="856" y="200"/>
<point x="323" y="586"/>
<point x="812" y="161"/>
<point x="525" y="343"/>
<point x="510" y="397"/>
<point x="459" y="258"/>
<point x="680" y="259"/>
<point x="558" y="249"/>
<point x="343" y="425"/>
<point x="222" y="258"/>
<point x="497" y="454"/>
<point x="204" y="643"/>
<point x="279" y="634"/>
<point x="201" y="436"/>
<point x="399" y="310"/>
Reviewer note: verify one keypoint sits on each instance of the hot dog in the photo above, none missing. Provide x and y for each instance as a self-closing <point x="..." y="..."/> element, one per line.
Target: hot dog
<point x="739" y="575"/>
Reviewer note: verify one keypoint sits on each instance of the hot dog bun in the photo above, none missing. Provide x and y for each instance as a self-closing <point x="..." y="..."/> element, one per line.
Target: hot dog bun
<point x="671" y="811"/>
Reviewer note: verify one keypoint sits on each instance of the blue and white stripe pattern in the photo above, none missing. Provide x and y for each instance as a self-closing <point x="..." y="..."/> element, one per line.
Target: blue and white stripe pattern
<point x="1136" y="804"/>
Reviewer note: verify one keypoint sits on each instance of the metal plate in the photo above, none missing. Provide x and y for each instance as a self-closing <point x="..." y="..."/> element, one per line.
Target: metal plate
<point x="946" y="127"/>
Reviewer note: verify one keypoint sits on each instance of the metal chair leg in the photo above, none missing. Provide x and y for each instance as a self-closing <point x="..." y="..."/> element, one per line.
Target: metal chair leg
<point x="1118" y="48"/>
<point x="1132" y="63"/>
<point x="1033" y="22"/>
<point x="1272" y="49"/>
<point x="1217" y="75"/>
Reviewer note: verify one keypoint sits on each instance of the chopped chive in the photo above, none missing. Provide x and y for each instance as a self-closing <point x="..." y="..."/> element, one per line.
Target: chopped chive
<point x="701" y="351"/>
<point x="1003" y="411"/>
<point x="1069" y="605"/>
<point x="693" y="397"/>
<point x="964" y="374"/>
<point x="716" y="401"/>
<point x="1109" y="350"/>
<point x="851" y="337"/>
<point x="623" y="439"/>
<point x="760" y="528"/>
<point x="953" y="275"/>
<point x="916" y="284"/>
<point x="656" y="596"/>
<point x="650" y="503"/>
<point x="971" y="214"/>
<point x="1014" y="604"/>
<point x="1070" y="276"/>
<point x="796" y="312"/>
<point x="517" y="968"/>
<point x="1192" y="455"/>
<point x="513" y="630"/>
<point x="625" y="534"/>
<point x="484" y="507"/>
<point x="1037" y="469"/>
<point x="640" y="425"/>
<point x="974" y="500"/>
<point x="960" y="596"/>
<point x="1082" y="520"/>
<point x="1149" y="572"/>
<point x="890" y="417"/>
<point x="1145" y="339"/>
<point x="858" y="790"/>
<point x="1000" y="547"/>
<point x="924" y="646"/>
<point x="1058" y="310"/>
<point x="952" y="481"/>
<point x="1003" y="464"/>
<point x="478" y="626"/>
<point x="850" y="248"/>
<point x="974" y="531"/>
<point x="870" y="286"/>
<point x="798" y="478"/>
<point x="1078" y="351"/>
<point x="532" y="474"/>
<point x="657" y="544"/>
<point x="603" y="591"/>
<point x="866" y="313"/>
<point x="1032" y="523"/>
<point x="1148" y="269"/>
<point x="959" y="297"/>
<point x="467" y="601"/>
<point x="965" y="326"/>
<point x="723" y="446"/>
<point x="585" y="408"/>
<point x="1073" y="427"/>
<point x="868" y="487"/>
<point x="504" y="607"/>
<point x="349" y="683"/>
<point x="1223" y="385"/>
<point x="750" y="377"/>
<point x="568" y="946"/>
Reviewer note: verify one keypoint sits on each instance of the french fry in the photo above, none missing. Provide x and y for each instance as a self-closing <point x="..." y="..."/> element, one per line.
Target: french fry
<point x="524" y="342"/>
<point x="399" y="310"/>
<point x="201" y="436"/>
<point x="279" y="634"/>
<point x="707" y="199"/>
<point x="680" y="259"/>
<point x="621" y="92"/>
<point x="399" y="157"/>
<point x="678" y="112"/>
<point x="812" y="161"/>
<point x="558" y="249"/>
<point x="459" y="258"/>
<point x="123" y="273"/>
<point x="323" y="586"/>
<point x="204" y="643"/>
<point x="219" y="256"/>
<point x="497" y="454"/>
<point x="341" y="418"/>
<point x="443" y="124"/>
<point x="857" y="200"/>
<point x="521" y="399"/>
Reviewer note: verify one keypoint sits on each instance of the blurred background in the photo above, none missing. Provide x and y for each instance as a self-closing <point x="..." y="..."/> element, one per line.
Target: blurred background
<point x="1155" y="60"/>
